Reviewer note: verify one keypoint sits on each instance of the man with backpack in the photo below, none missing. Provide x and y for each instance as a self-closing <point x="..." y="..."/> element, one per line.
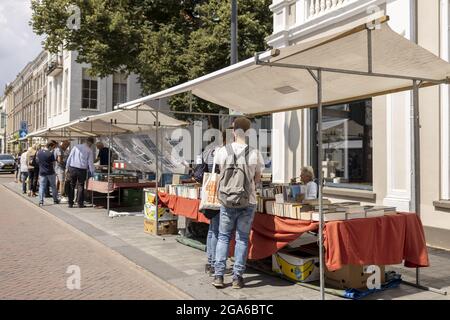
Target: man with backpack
<point x="240" y="171"/>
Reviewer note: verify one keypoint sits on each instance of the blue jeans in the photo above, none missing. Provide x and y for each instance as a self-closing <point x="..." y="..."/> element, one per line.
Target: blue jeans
<point x="24" y="176"/>
<point x="230" y="219"/>
<point x="211" y="240"/>
<point x="43" y="180"/>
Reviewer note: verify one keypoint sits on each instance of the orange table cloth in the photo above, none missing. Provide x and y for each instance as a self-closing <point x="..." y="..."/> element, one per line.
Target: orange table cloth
<point x="384" y="240"/>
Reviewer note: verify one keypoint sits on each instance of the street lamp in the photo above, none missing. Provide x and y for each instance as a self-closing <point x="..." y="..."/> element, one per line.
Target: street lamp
<point x="234" y="32"/>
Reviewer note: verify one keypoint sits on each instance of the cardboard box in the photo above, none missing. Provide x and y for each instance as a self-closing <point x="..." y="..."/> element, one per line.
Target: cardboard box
<point x="351" y="277"/>
<point x="164" y="227"/>
<point x="164" y="214"/>
<point x="296" y="265"/>
<point x="150" y="196"/>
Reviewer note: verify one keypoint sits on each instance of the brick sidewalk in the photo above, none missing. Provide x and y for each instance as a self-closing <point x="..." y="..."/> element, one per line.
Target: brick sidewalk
<point x="36" y="250"/>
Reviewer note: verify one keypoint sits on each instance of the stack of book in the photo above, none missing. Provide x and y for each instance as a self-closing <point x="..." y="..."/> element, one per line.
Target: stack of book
<point x="280" y="207"/>
<point x="349" y="212"/>
<point x="189" y="191"/>
<point x="268" y="192"/>
<point x="379" y="211"/>
<point x="291" y="210"/>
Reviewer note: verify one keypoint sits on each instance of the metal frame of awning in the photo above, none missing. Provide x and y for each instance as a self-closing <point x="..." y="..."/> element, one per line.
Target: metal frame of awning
<point x="316" y="73"/>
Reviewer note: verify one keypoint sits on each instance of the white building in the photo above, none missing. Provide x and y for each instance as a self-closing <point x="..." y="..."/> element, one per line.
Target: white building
<point x="367" y="143"/>
<point x="72" y="93"/>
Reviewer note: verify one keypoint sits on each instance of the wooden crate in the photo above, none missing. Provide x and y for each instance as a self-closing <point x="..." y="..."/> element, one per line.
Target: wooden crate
<point x="164" y="227"/>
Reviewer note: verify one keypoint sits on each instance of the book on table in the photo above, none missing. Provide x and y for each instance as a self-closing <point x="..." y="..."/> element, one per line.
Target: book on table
<point x="355" y="215"/>
<point x="329" y="216"/>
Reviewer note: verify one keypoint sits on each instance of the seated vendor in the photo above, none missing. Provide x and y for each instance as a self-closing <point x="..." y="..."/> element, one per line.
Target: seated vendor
<point x="307" y="178"/>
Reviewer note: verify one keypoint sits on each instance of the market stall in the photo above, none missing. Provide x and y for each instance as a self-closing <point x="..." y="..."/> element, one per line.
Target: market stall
<point x="363" y="59"/>
<point x="142" y="118"/>
<point x="385" y="240"/>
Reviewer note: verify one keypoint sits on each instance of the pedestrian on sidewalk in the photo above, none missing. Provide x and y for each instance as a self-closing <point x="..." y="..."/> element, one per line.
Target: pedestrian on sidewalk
<point x="211" y="214"/>
<point x="79" y="162"/>
<point x="33" y="169"/>
<point x="240" y="170"/>
<point x="17" y="160"/>
<point x="61" y="154"/>
<point x="45" y="158"/>
<point x="23" y="167"/>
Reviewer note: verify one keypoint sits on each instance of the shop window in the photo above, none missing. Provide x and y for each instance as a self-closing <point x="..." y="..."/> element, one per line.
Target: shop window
<point x="119" y="88"/>
<point x="346" y="145"/>
<point x="89" y="97"/>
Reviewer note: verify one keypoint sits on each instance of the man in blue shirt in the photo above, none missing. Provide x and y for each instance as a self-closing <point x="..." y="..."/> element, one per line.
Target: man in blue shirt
<point x="80" y="160"/>
<point x="46" y="160"/>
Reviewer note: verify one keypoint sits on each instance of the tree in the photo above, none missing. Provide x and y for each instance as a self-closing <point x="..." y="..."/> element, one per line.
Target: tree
<point x="165" y="42"/>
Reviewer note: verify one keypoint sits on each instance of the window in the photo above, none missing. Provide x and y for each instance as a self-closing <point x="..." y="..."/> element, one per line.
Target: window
<point x="66" y="90"/>
<point x="89" y="96"/>
<point x="44" y="113"/>
<point x="119" y="88"/>
<point x="346" y="145"/>
<point x="291" y="15"/>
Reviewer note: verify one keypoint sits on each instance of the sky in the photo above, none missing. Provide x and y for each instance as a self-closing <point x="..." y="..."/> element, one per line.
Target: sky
<point x="18" y="44"/>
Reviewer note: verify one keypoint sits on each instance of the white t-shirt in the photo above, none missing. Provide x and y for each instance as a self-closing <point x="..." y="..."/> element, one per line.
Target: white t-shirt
<point x="255" y="161"/>
<point x="23" y="162"/>
<point x="310" y="190"/>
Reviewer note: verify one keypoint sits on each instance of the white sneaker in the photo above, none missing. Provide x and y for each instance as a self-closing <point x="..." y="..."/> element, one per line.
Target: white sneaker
<point x="64" y="200"/>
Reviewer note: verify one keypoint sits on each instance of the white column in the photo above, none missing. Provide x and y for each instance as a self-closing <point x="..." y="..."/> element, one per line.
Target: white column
<point x="279" y="147"/>
<point x="398" y="151"/>
<point x="58" y="81"/>
<point x="398" y="125"/>
<point x="54" y="97"/>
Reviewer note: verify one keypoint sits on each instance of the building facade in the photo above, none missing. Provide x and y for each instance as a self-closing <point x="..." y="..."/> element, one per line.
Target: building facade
<point x="73" y="93"/>
<point x="367" y="147"/>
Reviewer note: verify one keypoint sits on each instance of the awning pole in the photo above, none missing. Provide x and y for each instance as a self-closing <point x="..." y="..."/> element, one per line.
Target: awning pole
<point x="157" y="164"/>
<point x="318" y="79"/>
<point x="319" y="129"/>
<point x="109" y="167"/>
<point x="416" y="155"/>
<point x="415" y="176"/>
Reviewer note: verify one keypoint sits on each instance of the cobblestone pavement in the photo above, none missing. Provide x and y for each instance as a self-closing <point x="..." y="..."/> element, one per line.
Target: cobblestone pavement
<point x="37" y="249"/>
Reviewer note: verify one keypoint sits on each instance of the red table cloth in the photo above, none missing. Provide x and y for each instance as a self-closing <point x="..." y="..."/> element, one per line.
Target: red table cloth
<point x="102" y="186"/>
<point x="384" y="240"/>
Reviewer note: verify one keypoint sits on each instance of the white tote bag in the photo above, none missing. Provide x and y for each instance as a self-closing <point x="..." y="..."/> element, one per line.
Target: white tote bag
<point x="209" y="190"/>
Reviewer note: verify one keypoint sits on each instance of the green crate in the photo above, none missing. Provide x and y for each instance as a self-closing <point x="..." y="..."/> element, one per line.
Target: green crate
<point x="131" y="197"/>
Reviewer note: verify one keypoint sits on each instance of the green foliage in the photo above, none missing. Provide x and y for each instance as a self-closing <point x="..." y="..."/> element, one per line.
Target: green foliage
<point x="166" y="42"/>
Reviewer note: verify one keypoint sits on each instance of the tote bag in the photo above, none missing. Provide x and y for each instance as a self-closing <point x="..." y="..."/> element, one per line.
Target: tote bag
<point x="209" y="190"/>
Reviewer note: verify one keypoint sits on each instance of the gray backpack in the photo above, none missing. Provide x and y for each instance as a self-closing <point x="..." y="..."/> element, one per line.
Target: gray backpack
<point x="234" y="182"/>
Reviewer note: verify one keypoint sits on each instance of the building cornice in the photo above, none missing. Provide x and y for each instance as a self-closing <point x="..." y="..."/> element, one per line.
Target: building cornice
<point x="304" y="30"/>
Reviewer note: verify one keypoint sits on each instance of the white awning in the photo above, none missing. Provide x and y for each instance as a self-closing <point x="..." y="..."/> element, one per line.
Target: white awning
<point x="253" y="88"/>
<point x="140" y="117"/>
